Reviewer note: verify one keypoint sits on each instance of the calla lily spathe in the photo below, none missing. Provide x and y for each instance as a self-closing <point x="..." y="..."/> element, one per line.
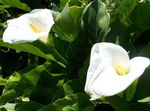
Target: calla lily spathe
<point x="111" y="71"/>
<point x="29" y="27"/>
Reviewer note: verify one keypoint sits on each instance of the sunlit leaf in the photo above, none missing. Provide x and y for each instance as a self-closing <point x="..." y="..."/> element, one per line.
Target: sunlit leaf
<point x="129" y="93"/>
<point x="9" y="106"/>
<point x="16" y="3"/>
<point x="96" y="20"/>
<point x="68" y="22"/>
<point x="26" y="47"/>
<point x="3" y="81"/>
<point x="144" y="100"/>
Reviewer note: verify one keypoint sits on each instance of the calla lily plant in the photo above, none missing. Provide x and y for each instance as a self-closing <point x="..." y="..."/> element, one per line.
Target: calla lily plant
<point x="111" y="71"/>
<point x="29" y="27"/>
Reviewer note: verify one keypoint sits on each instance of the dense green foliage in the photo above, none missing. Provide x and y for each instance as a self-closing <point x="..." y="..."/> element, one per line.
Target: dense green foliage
<point x="51" y="77"/>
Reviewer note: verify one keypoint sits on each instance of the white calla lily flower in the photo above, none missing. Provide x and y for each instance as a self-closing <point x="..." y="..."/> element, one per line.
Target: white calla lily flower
<point x="111" y="71"/>
<point x="29" y="27"/>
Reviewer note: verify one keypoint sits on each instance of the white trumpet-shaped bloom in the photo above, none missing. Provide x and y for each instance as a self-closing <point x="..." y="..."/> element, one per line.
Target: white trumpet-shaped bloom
<point x="29" y="27"/>
<point x="111" y="71"/>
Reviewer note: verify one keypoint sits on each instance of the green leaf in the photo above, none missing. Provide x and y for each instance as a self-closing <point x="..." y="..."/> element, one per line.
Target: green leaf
<point x="28" y="106"/>
<point x="74" y="102"/>
<point x="8" y="96"/>
<point x="119" y="103"/>
<point x="22" y="106"/>
<point x="9" y="107"/>
<point x="145" y="100"/>
<point x="125" y="9"/>
<point x="3" y="81"/>
<point x="16" y="3"/>
<point x="63" y="3"/>
<point x="26" y="84"/>
<point x="73" y="86"/>
<point x="118" y="34"/>
<point x="3" y="7"/>
<point x="69" y="88"/>
<point x="142" y="89"/>
<point x="141" y="16"/>
<point x="67" y="24"/>
<point x="96" y="20"/>
<point x="129" y="93"/>
<point x="26" y="47"/>
<point x="141" y="96"/>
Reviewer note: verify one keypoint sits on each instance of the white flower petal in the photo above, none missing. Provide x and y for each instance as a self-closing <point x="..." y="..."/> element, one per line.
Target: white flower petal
<point x="111" y="54"/>
<point x="109" y="83"/>
<point x="41" y="18"/>
<point x="103" y="79"/>
<point x="93" y="72"/>
<point x="15" y="33"/>
<point x="137" y="67"/>
<point x="96" y="66"/>
<point x="103" y="54"/>
<point x="29" y="27"/>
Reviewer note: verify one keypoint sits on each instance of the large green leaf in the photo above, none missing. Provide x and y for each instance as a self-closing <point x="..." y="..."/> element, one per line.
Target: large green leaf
<point x="118" y="34"/>
<point x="74" y="102"/>
<point x="125" y="9"/>
<point x="69" y="88"/>
<point x="16" y="3"/>
<point x="67" y="24"/>
<point x="121" y="104"/>
<point x="26" y="47"/>
<point x="96" y="20"/>
<point x="141" y="16"/>
<point x="25" y="84"/>
<point x="131" y="90"/>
